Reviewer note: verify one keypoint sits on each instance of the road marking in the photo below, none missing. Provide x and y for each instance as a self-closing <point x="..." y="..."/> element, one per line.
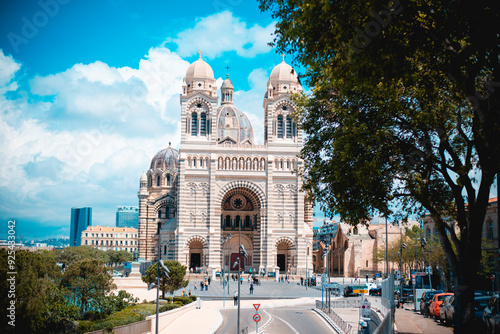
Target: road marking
<point x="293" y="329"/>
<point x="414" y="324"/>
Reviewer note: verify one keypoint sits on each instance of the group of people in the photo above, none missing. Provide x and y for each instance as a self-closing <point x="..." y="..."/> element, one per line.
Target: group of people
<point x="203" y="284"/>
<point x="283" y="279"/>
<point x="184" y="294"/>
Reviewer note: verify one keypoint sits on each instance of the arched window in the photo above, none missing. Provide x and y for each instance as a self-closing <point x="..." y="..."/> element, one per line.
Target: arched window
<point x="158" y="181"/>
<point x="164" y="249"/>
<point x="288" y="127"/>
<point x="150" y="182"/>
<point x="237" y="221"/>
<point x="194" y="124"/>
<point x="228" y="221"/>
<point x="159" y="213"/>
<point x="247" y="221"/>
<point x="168" y="180"/>
<point x="191" y="217"/>
<point x="280" y="126"/>
<point x="203" y="124"/>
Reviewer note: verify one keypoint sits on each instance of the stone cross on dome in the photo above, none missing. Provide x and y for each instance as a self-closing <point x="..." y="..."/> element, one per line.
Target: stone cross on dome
<point x="282" y="57"/>
<point x="200" y="52"/>
<point x="227" y="71"/>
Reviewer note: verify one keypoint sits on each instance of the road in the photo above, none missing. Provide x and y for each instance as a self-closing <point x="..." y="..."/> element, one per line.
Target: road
<point x="409" y="321"/>
<point x="283" y="320"/>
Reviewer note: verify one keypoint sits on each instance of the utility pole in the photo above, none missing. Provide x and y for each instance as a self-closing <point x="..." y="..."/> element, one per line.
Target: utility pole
<point x="158" y="278"/>
<point x="239" y="273"/>
<point x="386" y="250"/>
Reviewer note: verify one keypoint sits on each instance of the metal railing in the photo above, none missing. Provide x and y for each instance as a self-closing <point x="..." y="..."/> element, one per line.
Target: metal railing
<point x="341" y="324"/>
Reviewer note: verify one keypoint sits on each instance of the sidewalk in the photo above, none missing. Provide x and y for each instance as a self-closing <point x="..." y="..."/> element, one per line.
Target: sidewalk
<point x="410" y="322"/>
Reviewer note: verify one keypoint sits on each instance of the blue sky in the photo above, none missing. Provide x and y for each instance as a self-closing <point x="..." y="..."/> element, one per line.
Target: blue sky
<point x="89" y="92"/>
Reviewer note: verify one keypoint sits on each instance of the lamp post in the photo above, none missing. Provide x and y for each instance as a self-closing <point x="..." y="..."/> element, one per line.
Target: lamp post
<point x="386" y="250"/>
<point x="158" y="277"/>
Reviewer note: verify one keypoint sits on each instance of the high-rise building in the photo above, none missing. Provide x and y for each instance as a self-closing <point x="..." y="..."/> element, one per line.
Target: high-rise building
<point x="81" y="218"/>
<point x="127" y="216"/>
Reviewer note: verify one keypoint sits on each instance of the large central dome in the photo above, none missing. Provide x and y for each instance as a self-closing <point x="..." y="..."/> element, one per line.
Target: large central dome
<point x="233" y="126"/>
<point x="166" y="159"/>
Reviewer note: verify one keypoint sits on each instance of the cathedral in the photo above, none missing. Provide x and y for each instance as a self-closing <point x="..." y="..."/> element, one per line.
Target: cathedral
<point x="221" y="187"/>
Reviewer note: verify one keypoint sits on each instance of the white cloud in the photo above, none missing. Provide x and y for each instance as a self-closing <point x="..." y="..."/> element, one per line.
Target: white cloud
<point x="8" y="68"/>
<point x="223" y="32"/>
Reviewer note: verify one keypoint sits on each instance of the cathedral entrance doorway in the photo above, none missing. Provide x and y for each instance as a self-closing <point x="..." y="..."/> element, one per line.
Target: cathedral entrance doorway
<point x="281" y="262"/>
<point x="240" y="219"/>
<point x="195" y="260"/>
<point x="195" y="254"/>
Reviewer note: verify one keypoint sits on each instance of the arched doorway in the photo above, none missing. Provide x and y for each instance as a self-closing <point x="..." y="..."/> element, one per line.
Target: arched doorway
<point x="285" y="255"/>
<point x="196" y="254"/>
<point x="240" y="214"/>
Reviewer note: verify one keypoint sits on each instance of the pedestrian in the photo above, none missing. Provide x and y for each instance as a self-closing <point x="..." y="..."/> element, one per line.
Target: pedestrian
<point x="241" y="279"/>
<point x="209" y="280"/>
<point x="202" y="285"/>
<point x="251" y="288"/>
<point x="248" y="278"/>
<point x="235" y="298"/>
<point x="206" y="285"/>
<point x="195" y="286"/>
<point x="189" y="293"/>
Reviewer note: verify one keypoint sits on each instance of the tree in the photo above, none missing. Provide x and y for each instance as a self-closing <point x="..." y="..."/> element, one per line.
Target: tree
<point x="89" y="283"/>
<point x="170" y="284"/>
<point x="42" y="306"/>
<point x="404" y="112"/>
<point x="70" y="255"/>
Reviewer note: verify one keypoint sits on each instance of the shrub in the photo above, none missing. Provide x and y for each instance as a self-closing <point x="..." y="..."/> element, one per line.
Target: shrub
<point x="93" y="315"/>
<point x="183" y="300"/>
<point x="168" y="307"/>
<point x="193" y="297"/>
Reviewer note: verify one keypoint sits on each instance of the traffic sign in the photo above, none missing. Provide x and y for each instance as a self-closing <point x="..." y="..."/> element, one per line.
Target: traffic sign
<point x="256" y="317"/>
<point x="492" y="277"/>
<point x="332" y="286"/>
<point x="366" y="307"/>
<point x="256" y="306"/>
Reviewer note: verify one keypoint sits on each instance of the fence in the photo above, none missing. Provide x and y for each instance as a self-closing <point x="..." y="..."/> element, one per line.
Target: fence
<point x="341" y="325"/>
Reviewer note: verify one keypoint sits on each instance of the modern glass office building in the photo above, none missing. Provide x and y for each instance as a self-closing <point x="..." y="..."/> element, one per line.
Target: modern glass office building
<point x="127" y="216"/>
<point x="81" y="218"/>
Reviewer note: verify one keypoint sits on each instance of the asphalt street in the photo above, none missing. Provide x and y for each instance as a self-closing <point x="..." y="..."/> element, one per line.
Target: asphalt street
<point x="283" y="320"/>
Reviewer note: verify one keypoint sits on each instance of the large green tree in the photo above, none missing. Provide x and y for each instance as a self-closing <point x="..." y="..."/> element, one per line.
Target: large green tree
<point x="89" y="283"/>
<point x="41" y="305"/>
<point x="169" y="284"/>
<point x="404" y="112"/>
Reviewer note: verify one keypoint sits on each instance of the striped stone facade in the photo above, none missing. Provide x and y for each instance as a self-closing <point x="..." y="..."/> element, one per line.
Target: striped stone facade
<point x="221" y="186"/>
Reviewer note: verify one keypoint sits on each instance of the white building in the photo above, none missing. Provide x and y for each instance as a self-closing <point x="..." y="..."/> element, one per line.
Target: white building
<point x="221" y="181"/>
<point x="111" y="238"/>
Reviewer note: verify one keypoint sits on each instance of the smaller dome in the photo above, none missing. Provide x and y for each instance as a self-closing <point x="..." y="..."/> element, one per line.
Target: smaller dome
<point x="200" y="69"/>
<point x="144" y="177"/>
<point x="283" y="72"/>
<point x="166" y="159"/>
<point x="227" y="84"/>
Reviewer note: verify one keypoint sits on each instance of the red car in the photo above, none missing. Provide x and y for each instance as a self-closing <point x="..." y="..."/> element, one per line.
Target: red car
<point x="436" y="302"/>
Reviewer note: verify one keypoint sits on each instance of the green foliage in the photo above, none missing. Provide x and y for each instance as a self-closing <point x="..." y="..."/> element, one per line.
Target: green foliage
<point x="128" y="315"/>
<point x="169" y="307"/>
<point x="42" y="306"/>
<point x="70" y="255"/>
<point x="174" y="282"/>
<point x="183" y="300"/>
<point x="89" y="283"/>
<point x="118" y="257"/>
<point x="404" y="113"/>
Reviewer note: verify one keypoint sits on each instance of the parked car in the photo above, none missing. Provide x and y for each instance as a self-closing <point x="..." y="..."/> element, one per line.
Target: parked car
<point x="480" y="304"/>
<point x="491" y="317"/>
<point x="407" y="295"/>
<point x="425" y="301"/>
<point x="436" y="302"/>
<point x="375" y="292"/>
<point x="447" y="310"/>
